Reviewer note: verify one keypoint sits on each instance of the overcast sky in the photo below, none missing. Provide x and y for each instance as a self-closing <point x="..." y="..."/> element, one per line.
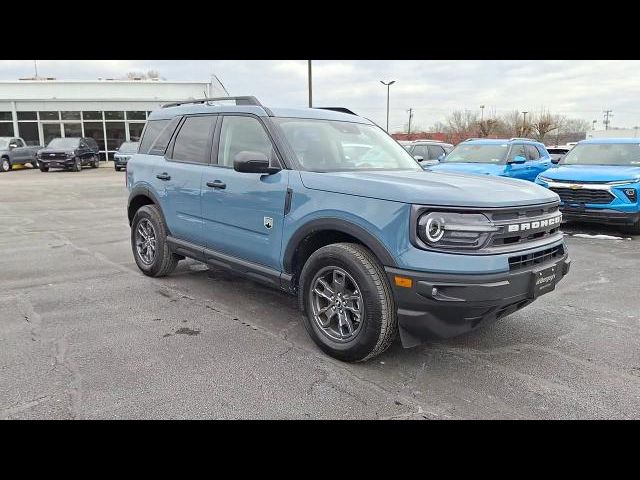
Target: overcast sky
<point x="433" y="88"/>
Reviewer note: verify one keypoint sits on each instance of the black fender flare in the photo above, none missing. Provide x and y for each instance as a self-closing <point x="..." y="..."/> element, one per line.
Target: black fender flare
<point x="340" y="225"/>
<point x="141" y="190"/>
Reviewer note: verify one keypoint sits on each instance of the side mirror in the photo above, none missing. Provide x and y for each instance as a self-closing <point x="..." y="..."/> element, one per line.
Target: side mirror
<point x="518" y="159"/>
<point x="13" y="145"/>
<point x="556" y="160"/>
<point x="419" y="158"/>
<point x="441" y="157"/>
<point x="253" y="162"/>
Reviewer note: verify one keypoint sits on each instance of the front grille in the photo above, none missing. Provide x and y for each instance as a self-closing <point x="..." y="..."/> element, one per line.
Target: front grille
<point x="583" y="195"/>
<point x="536" y="258"/>
<point x="531" y="215"/>
<point x="54" y="156"/>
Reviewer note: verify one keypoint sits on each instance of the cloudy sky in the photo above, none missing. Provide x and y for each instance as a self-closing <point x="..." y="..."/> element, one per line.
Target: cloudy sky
<point x="433" y="88"/>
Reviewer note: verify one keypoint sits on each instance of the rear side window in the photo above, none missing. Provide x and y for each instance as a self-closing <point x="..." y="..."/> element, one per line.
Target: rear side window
<point x="157" y="135"/>
<point x="532" y="152"/>
<point x="192" y="141"/>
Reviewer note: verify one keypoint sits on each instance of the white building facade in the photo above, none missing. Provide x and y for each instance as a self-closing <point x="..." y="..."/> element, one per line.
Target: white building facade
<point x="110" y="111"/>
<point x="614" y="133"/>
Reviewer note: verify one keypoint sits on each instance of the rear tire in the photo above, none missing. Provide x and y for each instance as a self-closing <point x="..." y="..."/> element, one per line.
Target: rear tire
<point x="360" y="285"/>
<point x="5" y="165"/>
<point x="149" y="232"/>
<point x="96" y="162"/>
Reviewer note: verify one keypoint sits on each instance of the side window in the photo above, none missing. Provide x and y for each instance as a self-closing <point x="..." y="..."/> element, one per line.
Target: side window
<point x="435" y="151"/>
<point x="243" y="134"/>
<point x="19" y="142"/>
<point x="156" y="136"/>
<point x="532" y="152"/>
<point x="192" y="141"/>
<point x="517" y="150"/>
<point x="420" y="150"/>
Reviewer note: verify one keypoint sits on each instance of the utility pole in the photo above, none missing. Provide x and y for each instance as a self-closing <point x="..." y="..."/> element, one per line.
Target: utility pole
<point x="388" y="85"/>
<point x="481" y="113"/>
<point x="310" y="97"/>
<point x="607" y="114"/>
<point x="524" y="122"/>
<point x="410" y="115"/>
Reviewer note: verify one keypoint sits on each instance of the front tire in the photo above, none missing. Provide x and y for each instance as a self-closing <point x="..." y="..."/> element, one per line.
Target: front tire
<point x="5" y="165"/>
<point x="633" y="229"/>
<point x="96" y="162"/>
<point x="44" y="169"/>
<point x="149" y="243"/>
<point x="77" y="166"/>
<point x="349" y="310"/>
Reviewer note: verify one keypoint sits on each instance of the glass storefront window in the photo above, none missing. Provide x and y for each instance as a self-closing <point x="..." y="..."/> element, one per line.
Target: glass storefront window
<point x="49" y="115"/>
<point x="27" y="116"/>
<point x="95" y="131"/>
<point x="7" y="116"/>
<point x="50" y="131"/>
<point x="72" y="130"/>
<point x="135" y="131"/>
<point x="70" y="115"/>
<point x="136" y="116"/>
<point x="114" y="115"/>
<point x="92" y="115"/>
<point x="115" y="135"/>
<point x="29" y="133"/>
<point x="6" y="129"/>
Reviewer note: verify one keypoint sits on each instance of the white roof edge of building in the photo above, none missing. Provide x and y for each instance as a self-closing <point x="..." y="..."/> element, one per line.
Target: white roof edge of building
<point x="161" y="82"/>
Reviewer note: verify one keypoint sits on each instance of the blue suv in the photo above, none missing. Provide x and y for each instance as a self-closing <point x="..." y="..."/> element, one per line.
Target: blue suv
<point x="599" y="181"/>
<point x="370" y="242"/>
<point x="515" y="158"/>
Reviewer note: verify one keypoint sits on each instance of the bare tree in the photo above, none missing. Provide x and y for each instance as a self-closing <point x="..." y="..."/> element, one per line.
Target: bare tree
<point x="488" y="127"/>
<point x="543" y="123"/>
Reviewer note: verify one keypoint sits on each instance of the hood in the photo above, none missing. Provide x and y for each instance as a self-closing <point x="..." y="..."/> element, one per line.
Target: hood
<point x="57" y="150"/>
<point x="477" y="168"/>
<point x="431" y="187"/>
<point x="592" y="173"/>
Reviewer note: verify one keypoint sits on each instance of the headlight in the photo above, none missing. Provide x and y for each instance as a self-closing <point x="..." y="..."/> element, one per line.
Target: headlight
<point x="450" y="230"/>
<point x="71" y="154"/>
<point x="544" y="179"/>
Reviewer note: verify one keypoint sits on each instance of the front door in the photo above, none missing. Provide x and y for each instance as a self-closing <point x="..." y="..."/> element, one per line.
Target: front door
<point x="517" y="170"/>
<point x="243" y="213"/>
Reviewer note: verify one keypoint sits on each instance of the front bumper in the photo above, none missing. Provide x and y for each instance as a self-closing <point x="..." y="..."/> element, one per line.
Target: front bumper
<point x="60" y="163"/>
<point x="604" y="216"/>
<point x="443" y="305"/>
<point x="120" y="162"/>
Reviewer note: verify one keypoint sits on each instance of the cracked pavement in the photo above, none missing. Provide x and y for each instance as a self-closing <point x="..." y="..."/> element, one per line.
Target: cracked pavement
<point x="83" y="334"/>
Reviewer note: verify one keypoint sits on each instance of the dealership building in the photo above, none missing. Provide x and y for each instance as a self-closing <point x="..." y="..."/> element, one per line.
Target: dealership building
<point x="108" y="110"/>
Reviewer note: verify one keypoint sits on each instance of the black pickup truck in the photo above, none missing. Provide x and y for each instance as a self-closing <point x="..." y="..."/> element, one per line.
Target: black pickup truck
<point x="13" y="151"/>
<point x="70" y="153"/>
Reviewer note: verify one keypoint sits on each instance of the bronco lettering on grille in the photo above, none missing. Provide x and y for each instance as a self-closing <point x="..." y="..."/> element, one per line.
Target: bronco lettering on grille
<point x="548" y="222"/>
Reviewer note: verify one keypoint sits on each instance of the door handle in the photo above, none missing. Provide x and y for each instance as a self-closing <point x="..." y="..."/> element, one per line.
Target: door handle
<point x="163" y="176"/>
<point x="217" y="184"/>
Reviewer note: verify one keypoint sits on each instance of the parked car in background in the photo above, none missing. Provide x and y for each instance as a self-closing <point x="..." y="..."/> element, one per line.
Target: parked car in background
<point x="70" y="153"/>
<point x="599" y="181"/>
<point x="521" y="158"/>
<point x="123" y="154"/>
<point x="370" y="242"/>
<point x="14" y="151"/>
<point x="429" y="152"/>
<point x="556" y="152"/>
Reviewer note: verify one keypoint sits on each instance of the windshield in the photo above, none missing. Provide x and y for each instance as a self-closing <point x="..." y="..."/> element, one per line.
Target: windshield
<point x="603" y="154"/>
<point x="330" y="146"/>
<point x="63" y="143"/>
<point x="128" y="147"/>
<point x="476" y="153"/>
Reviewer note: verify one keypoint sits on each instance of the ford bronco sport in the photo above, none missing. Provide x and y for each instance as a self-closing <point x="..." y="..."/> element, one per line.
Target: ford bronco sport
<point x="372" y="244"/>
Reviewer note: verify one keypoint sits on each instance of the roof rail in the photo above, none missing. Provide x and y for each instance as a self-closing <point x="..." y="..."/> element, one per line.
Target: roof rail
<point x="524" y="138"/>
<point x="246" y="100"/>
<point x="476" y="138"/>
<point x="338" y="109"/>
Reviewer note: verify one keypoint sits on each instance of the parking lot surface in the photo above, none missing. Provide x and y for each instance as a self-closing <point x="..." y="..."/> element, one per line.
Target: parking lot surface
<point x="83" y="334"/>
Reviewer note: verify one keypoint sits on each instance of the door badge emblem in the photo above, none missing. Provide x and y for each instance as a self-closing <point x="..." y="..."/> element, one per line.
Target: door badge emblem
<point x="268" y="223"/>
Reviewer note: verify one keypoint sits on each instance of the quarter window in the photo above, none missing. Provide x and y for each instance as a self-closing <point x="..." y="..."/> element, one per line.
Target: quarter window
<point x="192" y="141"/>
<point x="243" y="134"/>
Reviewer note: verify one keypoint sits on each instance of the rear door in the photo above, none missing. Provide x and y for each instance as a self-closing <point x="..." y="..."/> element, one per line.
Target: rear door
<point x="538" y="160"/>
<point x="243" y="213"/>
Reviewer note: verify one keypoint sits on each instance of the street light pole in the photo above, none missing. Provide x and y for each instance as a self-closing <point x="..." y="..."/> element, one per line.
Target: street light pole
<point x="481" y="113"/>
<point x="524" y="122"/>
<point x="388" y="85"/>
<point x="410" y="115"/>
<point x="310" y="97"/>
